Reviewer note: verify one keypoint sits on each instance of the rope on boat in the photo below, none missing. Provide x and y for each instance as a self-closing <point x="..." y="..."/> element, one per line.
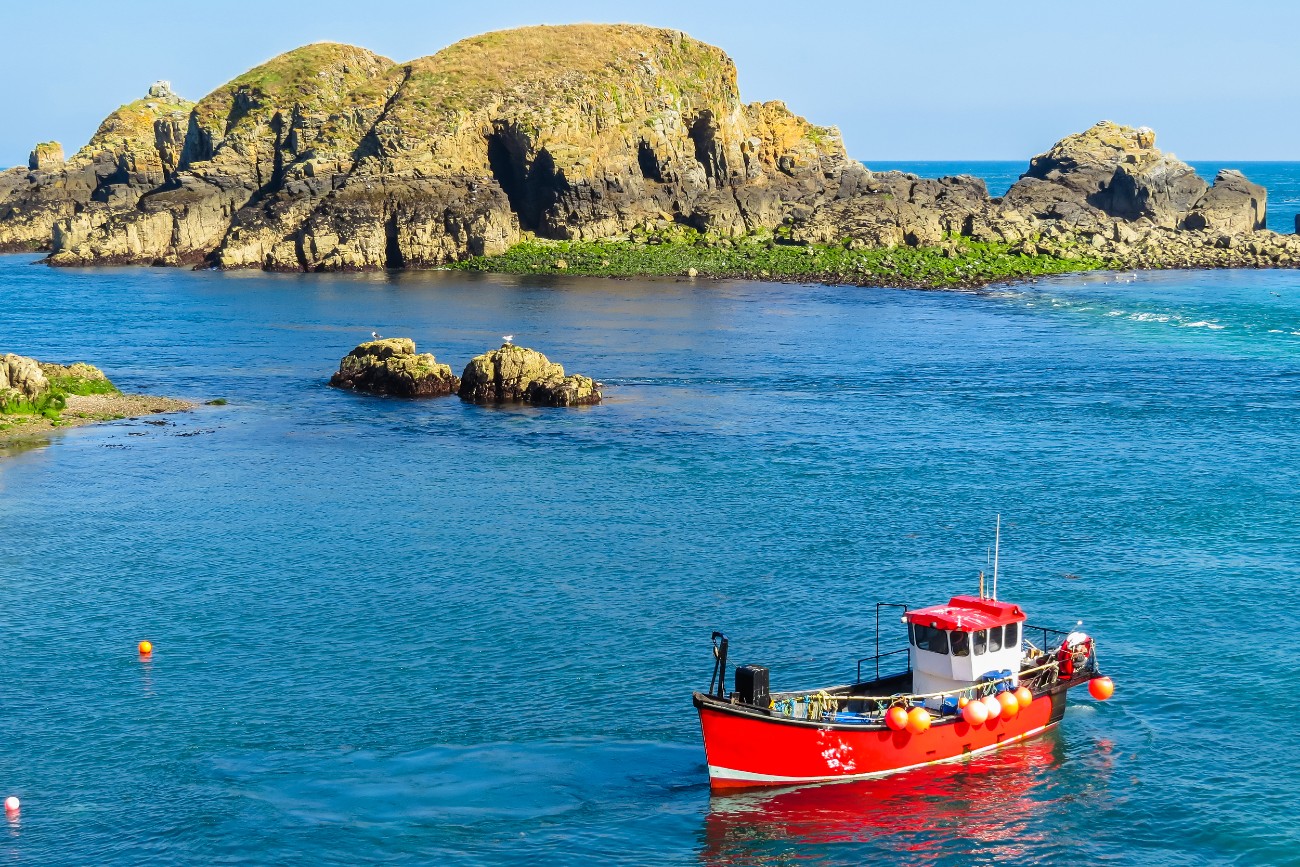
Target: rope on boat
<point x="816" y="704"/>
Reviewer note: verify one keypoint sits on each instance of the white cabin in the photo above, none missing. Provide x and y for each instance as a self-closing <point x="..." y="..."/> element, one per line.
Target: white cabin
<point x="952" y="646"/>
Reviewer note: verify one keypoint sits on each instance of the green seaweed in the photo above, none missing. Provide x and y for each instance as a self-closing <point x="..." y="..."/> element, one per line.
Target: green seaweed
<point x="676" y="250"/>
<point x="47" y="404"/>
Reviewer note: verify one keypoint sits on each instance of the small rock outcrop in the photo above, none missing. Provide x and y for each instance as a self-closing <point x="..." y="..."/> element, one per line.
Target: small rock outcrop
<point x="21" y="377"/>
<point x="391" y="366"/>
<point x="517" y="374"/>
<point x="1115" y="170"/>
<point x="47" y="156"/>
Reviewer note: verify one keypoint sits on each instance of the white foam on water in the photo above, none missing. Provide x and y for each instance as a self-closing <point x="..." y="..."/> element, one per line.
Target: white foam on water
<point x="1150" y="317"/>
<point x="1203" y="324"/>
<point x="1115" y="313"/>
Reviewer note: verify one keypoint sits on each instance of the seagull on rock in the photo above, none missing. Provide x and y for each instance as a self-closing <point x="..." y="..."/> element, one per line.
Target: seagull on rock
<point x="509" y="339"/>
<point x="374" y="335"/>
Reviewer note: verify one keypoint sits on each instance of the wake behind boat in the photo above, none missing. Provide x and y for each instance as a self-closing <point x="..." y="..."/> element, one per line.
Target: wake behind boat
<point x="977" y="678"/>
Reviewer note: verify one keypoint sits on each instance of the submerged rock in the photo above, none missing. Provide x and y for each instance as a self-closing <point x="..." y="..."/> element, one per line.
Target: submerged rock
<point x="391" y="366"/>
<point x="515" y="373"/>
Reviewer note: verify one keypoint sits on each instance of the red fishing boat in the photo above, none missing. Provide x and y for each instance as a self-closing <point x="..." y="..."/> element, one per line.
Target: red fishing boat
<point x="977" y="678"/>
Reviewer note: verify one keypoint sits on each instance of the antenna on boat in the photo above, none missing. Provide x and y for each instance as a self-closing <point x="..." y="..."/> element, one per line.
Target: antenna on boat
<point x="997" y="539"/>
<point x="981" y="583"/>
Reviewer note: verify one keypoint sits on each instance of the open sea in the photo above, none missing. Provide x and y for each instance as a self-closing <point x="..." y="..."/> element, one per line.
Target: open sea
<point x="405" y="632"/>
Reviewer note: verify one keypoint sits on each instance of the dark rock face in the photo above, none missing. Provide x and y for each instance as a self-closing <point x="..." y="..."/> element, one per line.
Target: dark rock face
<point x="516" y="374"/>
<point x="391" y="366"/>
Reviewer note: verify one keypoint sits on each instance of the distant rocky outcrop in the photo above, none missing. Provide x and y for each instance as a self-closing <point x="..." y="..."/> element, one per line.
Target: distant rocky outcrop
<point x="517" y="374"/>
<point x="333" y="158"/>
<point x="391" y="366"/>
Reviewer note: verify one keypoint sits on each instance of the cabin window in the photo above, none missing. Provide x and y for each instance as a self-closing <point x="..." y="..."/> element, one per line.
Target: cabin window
<point x="981" y="642"/>
<point x="960" y="642"/>
<point x="1011" y="635"/>
<point x="929" y="638"/>
<point x="995" y="638"/>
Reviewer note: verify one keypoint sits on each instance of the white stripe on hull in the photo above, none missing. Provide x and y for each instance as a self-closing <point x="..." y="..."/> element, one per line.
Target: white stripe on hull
<point x="719" y="773"/>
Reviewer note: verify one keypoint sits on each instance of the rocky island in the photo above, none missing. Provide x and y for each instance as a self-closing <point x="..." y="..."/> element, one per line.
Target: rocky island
<point x="602" y="149"/>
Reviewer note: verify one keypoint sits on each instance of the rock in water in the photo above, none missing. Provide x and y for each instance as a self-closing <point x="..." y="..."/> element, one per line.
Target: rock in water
<point x="515" y="373"/>
<point x="391" y="366"/>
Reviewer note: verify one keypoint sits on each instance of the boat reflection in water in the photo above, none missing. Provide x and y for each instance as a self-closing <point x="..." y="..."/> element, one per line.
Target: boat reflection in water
<point x="1000" y="805"/>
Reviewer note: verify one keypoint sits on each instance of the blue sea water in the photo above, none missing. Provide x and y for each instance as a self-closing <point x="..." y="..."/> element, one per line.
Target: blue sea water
<point x="1280" y="179"/>
<point x="405" y="632"/>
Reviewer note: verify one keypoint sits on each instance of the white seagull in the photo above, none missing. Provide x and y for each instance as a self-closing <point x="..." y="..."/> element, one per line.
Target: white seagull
<point x="509" y="338"/>
<point x="374" y="335"/>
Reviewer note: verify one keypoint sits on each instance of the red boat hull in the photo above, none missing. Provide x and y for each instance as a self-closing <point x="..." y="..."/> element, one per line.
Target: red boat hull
<point x="745" y="748"/>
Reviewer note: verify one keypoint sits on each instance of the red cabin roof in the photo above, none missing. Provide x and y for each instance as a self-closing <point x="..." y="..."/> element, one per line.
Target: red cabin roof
<point x="967" y="614"/>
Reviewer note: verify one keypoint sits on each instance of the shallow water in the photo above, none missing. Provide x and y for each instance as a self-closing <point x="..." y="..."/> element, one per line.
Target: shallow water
<point x="405" y="631"/>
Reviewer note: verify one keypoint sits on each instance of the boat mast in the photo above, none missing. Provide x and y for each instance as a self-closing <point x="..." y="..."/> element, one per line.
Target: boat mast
<point x="997" y="538"/>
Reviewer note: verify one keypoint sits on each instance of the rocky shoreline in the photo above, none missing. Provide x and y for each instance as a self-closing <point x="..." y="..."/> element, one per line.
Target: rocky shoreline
<point x="37" y="398"/>
<point x="332" y="158"/>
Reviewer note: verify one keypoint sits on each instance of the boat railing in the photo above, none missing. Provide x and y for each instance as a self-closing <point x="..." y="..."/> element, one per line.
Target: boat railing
<point x="876" y="660"/>
<point x="1051" y="638"/>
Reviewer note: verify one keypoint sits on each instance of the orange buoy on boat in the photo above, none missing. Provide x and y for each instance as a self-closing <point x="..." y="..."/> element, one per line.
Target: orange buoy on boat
<point x="992" y="706"/>
<point x="962" y="702"/>
<point x="896" y="718"/>
<point x="1101" y="688"/>
<point x="918" y="720"/>
<point x="1010" y="706"/>
<point x="975" y="713"/>
<point x="1024" y="697"/>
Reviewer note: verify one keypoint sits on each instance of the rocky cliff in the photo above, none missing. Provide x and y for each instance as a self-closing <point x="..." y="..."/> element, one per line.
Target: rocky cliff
<point x="135" y="151"/>
<point x="330" y="157"/>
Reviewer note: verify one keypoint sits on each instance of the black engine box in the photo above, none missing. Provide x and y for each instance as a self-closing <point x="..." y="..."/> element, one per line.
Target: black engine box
<point x="752" y="685"/>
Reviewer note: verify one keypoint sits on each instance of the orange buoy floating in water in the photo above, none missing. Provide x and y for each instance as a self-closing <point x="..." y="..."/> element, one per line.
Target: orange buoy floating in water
<point x="975" y="713"/>
<point x="1024" y="697"/>
<point x="896" y="718"/>
<point x="146" y="648"/>
<point x="1101" y="688"/>
<point x="12" y="804"/>
<point x="1010" y="706"/>
<point x="918" y="720"/>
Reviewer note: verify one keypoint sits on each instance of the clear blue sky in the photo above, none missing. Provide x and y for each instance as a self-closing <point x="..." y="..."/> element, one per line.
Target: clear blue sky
<point x="903" y="80"/>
